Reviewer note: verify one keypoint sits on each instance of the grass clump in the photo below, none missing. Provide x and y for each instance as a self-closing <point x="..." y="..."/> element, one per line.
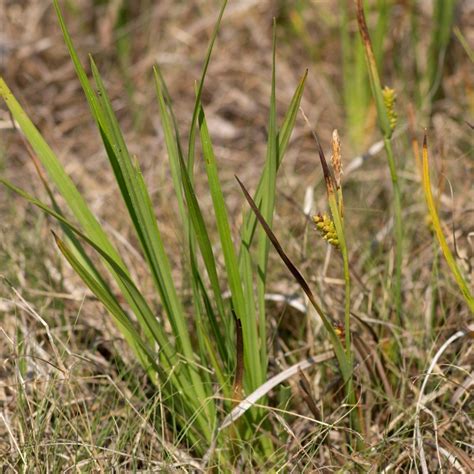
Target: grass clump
<point x="224" y="363"/>
<point x="178" y="365"/>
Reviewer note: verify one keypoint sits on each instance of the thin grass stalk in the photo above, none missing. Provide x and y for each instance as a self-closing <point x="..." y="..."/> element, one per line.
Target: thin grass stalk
<point x="399" y="233"/>
<point x="386" y="127"/>
<point x="344" y="366"/>
<point x="334" y="193"/>
<point x="464" y="43"/>
<point x="350" y="391"/>
<point x="200" y="86"/>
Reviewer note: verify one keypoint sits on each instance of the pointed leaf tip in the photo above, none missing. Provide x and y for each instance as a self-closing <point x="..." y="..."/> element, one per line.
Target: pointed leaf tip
<point x="324" y="164"/>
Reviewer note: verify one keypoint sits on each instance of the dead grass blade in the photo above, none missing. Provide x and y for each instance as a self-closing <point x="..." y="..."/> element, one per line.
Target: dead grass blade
<point x="307" y="394"/>
<point x="261" y="391"/>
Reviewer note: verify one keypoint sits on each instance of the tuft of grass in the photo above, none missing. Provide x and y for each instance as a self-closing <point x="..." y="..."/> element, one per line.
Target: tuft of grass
<point x="176" y="365"/>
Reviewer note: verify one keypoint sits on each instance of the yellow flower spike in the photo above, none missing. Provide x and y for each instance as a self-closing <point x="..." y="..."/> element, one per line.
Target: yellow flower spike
<point x="389" y="98"/>
<point x="326" y="228"/>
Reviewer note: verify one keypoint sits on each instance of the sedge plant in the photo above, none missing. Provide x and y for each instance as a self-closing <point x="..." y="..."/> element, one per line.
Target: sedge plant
<point x="194" y="362"/>
<point x="387" y="119"/>
<point x="332" y="230"/>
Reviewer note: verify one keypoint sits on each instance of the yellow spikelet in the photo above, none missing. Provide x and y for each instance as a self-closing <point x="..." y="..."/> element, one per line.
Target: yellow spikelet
<point x="389" y="98"/>
<point x="326" y="228"/>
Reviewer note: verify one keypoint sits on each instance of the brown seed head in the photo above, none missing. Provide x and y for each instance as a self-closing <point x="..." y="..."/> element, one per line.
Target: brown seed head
<point x="336" y="158"/>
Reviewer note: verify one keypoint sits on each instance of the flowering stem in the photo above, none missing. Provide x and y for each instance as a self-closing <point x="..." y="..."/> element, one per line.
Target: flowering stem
<point x="397" y="207"/>
<point x="339" y="225"/>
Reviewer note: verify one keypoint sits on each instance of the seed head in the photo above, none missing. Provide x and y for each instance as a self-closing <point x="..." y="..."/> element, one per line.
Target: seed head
<point x="389" y="98"/>
<point x="336" y="158"/>
<point x="326" y="228"/>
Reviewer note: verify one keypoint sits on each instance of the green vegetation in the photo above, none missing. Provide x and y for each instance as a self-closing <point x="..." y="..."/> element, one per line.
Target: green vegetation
<point x="196" y="362"/>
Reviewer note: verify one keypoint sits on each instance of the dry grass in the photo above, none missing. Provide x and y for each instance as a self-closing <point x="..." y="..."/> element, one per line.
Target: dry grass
<point x="71" y="396"/>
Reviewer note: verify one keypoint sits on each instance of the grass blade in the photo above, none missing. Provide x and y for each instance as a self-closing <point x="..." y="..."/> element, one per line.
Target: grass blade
<point x="197" y="103"/>
<point x="250" y="220"/>
<point x="463" y="286"/>
<point x="253" y="370"/>
<point x="63" y="182"/>
<point x="195" y="215"/>
<point x="267" y="208"/>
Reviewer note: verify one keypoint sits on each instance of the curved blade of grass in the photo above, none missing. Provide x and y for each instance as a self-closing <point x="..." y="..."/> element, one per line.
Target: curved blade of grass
<point x="463" y="286"/>
<point x="271" y="383"/>
<point x="106" y="297"/>
<point x="197" y="103"/>
<point x="76" y="246"/>
<point x="63" y="182"/>
<point x="253" y="370"/>
<point x="250" y="220"/>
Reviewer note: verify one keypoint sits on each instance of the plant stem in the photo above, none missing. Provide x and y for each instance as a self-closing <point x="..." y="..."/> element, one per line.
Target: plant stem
<point x="336" y="212"/>
<point x="397" y="205"/>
